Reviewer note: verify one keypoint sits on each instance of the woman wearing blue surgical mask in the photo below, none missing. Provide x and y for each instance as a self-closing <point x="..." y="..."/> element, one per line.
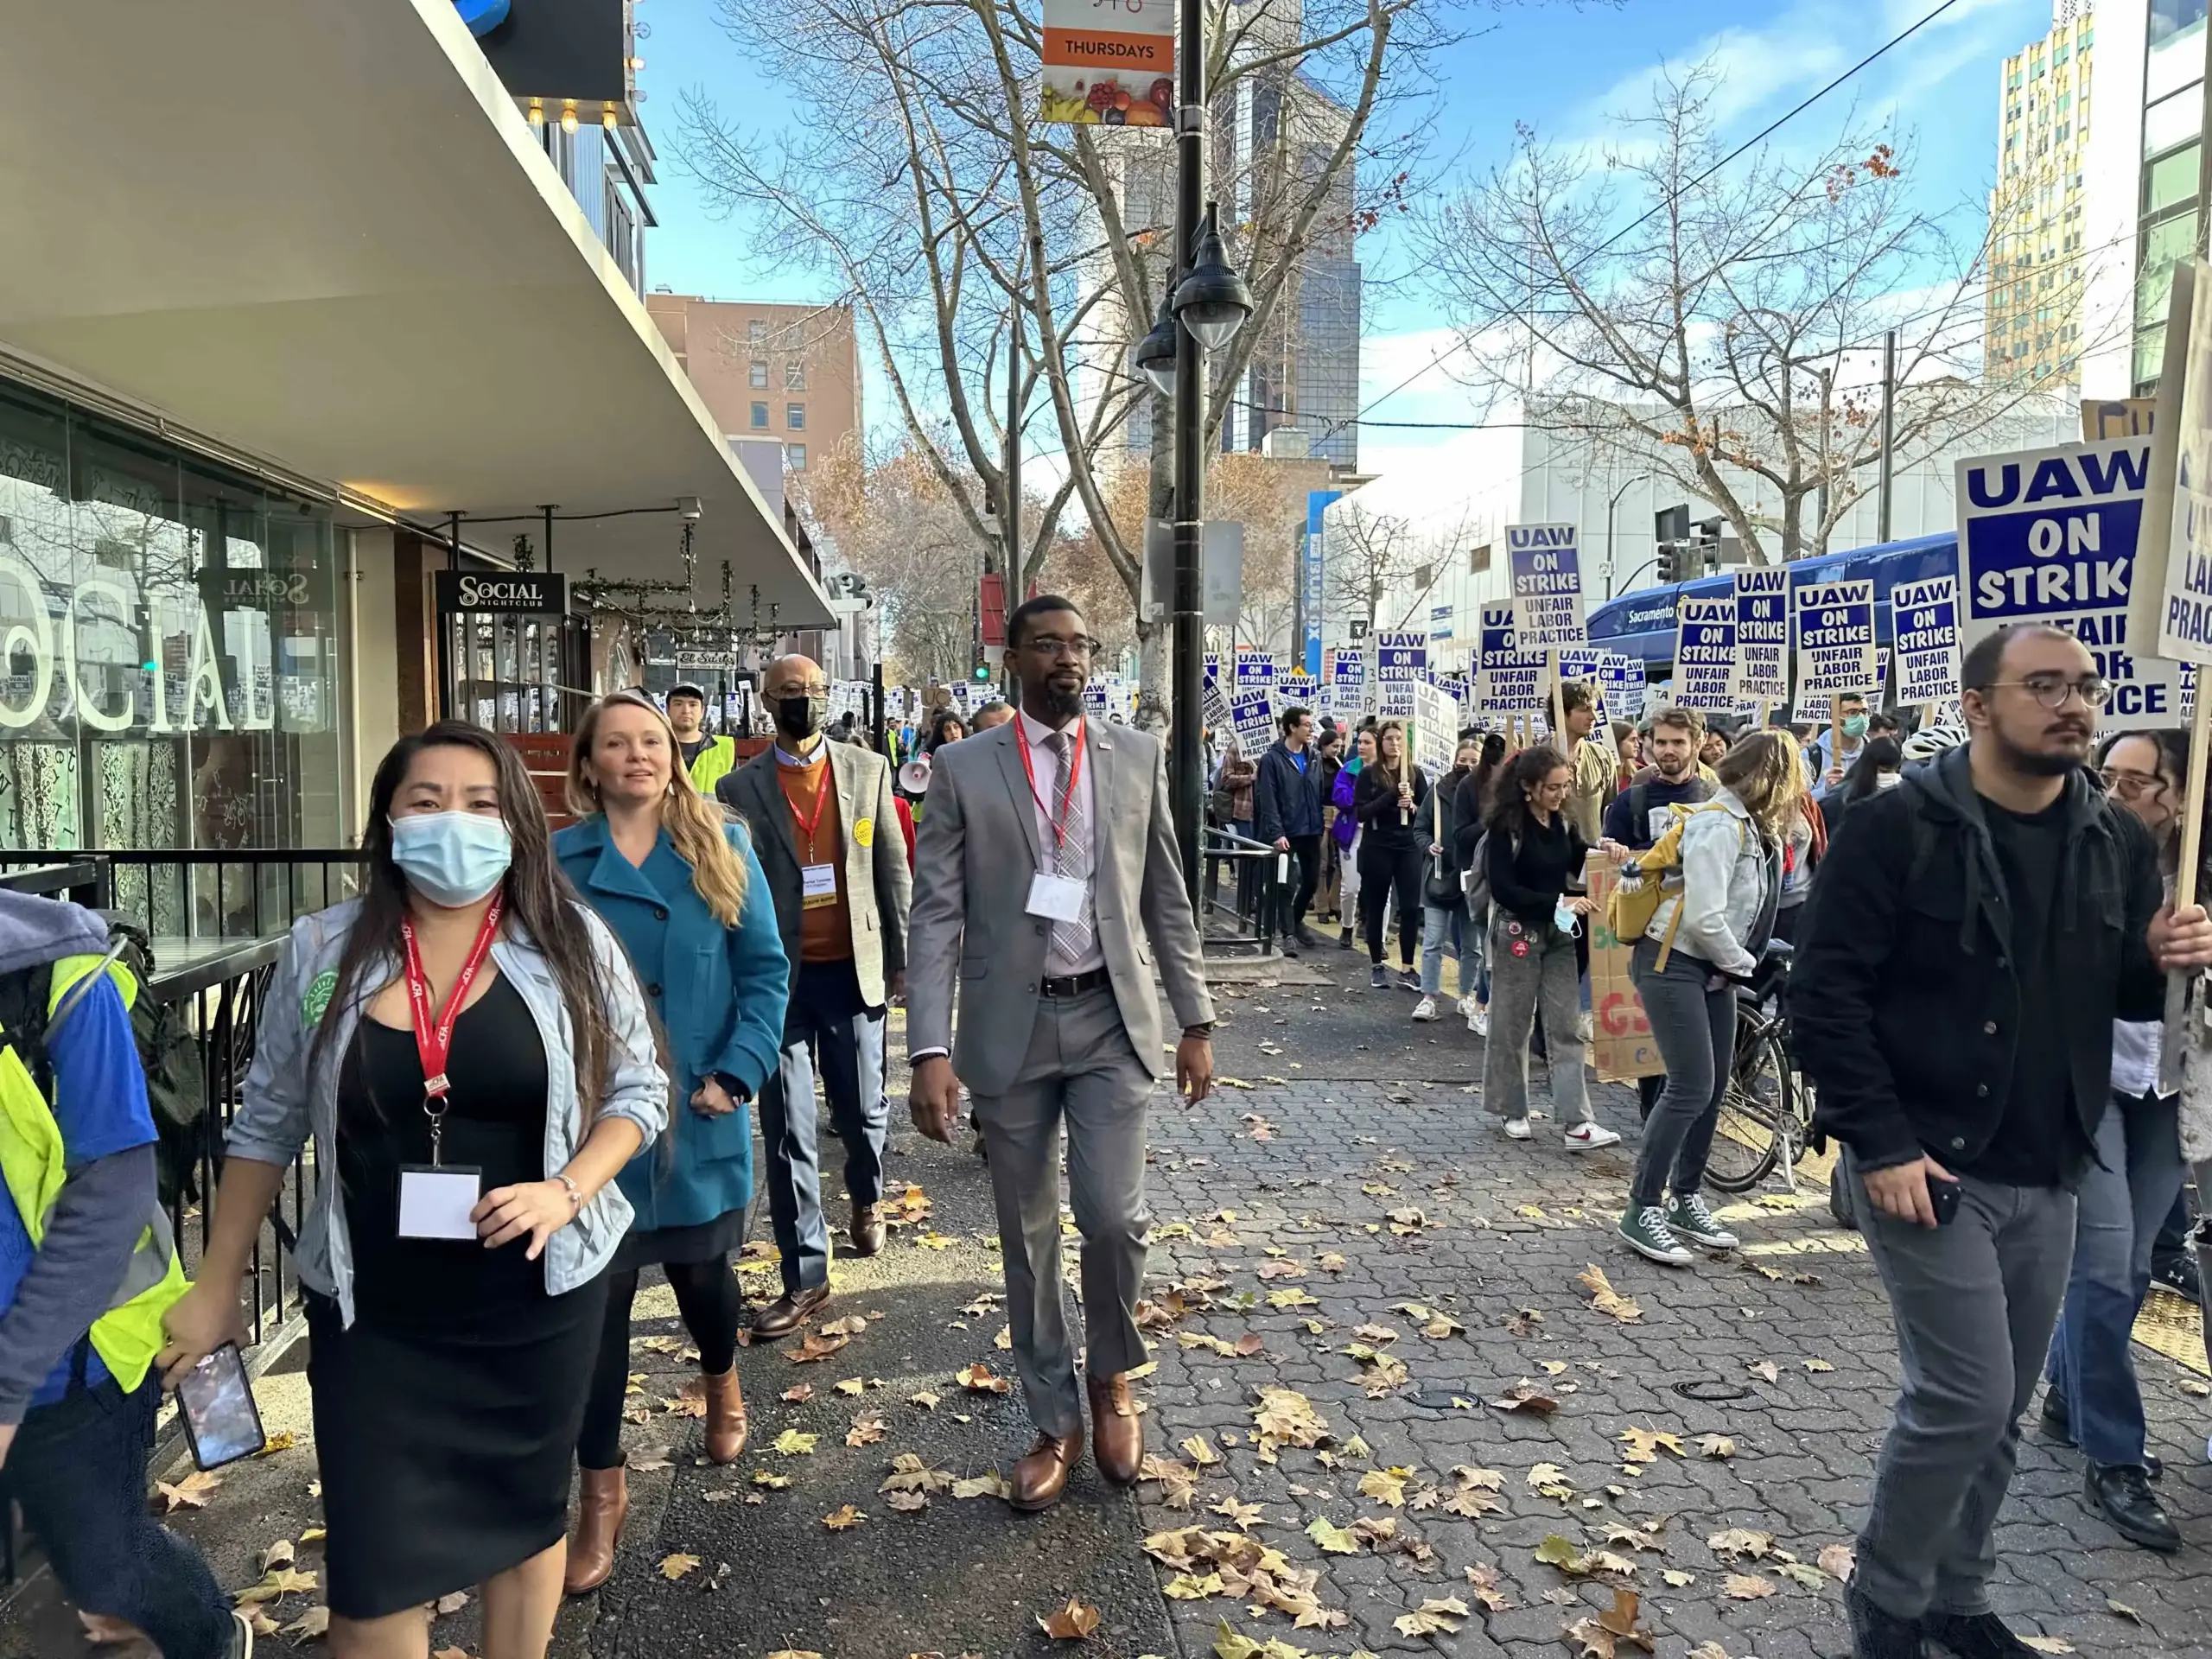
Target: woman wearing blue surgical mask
<point x="1715" y="915"/>
<point x="470" y="1050"/>
<point x="1879" y="767"/>
<point x="1537" y="907"/>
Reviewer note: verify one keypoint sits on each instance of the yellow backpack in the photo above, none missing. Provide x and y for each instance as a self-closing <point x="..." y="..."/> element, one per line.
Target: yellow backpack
<point x="1642" y="882"/>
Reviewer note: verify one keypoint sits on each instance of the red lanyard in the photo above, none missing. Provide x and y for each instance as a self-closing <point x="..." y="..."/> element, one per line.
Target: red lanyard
<point x="433" y="1037"/>
<point x="807" y="826"/>
<point x="1058" y="820"/>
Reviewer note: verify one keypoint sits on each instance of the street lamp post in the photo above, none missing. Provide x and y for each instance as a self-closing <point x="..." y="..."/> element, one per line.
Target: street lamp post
<point x="1640" y="478"/>
<point x="1207" y="303"/>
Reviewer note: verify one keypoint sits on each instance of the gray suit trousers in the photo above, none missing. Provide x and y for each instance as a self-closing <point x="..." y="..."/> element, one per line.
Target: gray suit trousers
<point x="1081" y="1068"/>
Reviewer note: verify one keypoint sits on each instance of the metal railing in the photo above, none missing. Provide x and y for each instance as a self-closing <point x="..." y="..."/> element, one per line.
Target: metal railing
<point x="180" y="894"/>
<point x="1260" y="887"/>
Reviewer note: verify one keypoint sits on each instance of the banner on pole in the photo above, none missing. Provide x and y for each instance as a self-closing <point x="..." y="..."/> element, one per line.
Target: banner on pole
<point x="1108" y="66"/>
<point x="1547" y="574"/>
<point x="1925" y="625"/>
<point x="1508" y="680"/>
<point x="2050" y="536"/>
<point x="1705" y="655"/>
<point x="1835" y="625"/>
<point x="1762" y="671"/>
<point x="1311" y="572"/>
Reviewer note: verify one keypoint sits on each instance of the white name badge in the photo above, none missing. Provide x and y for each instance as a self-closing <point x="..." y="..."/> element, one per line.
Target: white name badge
<point x="1055" y="898"/>
<point x="817" y="886"/>
<point x="435" y="1202"/>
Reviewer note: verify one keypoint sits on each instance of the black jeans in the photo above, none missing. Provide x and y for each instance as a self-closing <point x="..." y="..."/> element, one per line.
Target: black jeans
<point x="1304" y="877"/>
<point x="713" y="1308"/>
<point x="78" y="1469"/>
<point x="1695" y="1029"/>
<point x="1382" y="871"/>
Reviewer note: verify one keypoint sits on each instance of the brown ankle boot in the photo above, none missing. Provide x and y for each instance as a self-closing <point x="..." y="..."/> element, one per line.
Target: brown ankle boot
<point x="725" y="1417"/>
<point x="600" y="1512"/>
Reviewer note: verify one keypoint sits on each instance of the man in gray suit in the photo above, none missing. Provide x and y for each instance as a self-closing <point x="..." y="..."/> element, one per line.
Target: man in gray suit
<point x="1048" y="880"/>
<point x="827" y="831"/>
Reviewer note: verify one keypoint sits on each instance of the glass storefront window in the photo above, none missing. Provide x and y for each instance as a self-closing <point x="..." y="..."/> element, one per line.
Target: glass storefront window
<point x="2170" y="181"/>
<point x="169" y="648"/>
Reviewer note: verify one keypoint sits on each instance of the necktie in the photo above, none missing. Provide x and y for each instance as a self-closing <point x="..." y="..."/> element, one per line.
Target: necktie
<point x="1070" y="853"/>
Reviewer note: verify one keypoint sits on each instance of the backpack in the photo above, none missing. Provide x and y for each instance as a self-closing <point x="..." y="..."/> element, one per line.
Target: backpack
<point x="169" y="1052"/>
<point x="1635" y="899"/>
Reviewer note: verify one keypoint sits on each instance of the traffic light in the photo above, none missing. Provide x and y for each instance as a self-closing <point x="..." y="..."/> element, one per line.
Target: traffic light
<point x="982" y="672"/>
<point x="1670" y="563"/>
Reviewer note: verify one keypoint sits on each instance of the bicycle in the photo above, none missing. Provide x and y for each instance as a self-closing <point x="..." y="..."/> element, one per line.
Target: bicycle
<point x="1766" y="1109"/>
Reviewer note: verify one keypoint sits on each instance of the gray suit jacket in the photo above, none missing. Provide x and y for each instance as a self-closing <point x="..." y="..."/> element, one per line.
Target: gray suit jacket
<point x="974" y="855"/>
<point x="878" y="884"/>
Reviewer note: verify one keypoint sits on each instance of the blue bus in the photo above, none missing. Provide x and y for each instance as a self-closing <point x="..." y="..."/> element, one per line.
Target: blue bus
<point x="1642" y="624"/>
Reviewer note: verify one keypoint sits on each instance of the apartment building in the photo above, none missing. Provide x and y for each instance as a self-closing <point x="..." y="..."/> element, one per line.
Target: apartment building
<point x="789" y="373"/>
<point x="2037" y="217"/>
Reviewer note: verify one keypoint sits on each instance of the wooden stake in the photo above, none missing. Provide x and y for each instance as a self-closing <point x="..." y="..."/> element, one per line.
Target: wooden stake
<point x="2192" y="822"/>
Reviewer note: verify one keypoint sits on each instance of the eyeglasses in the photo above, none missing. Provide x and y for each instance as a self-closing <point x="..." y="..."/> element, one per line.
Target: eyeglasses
<point x="780" y="693"/>
<point x="2132" y="785"/>
<point x="2051" y="691"/>
<point x="1046" y="645"/>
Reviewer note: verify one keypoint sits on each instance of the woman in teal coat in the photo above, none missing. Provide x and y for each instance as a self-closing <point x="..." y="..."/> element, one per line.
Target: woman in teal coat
<point x="683" y="891"/>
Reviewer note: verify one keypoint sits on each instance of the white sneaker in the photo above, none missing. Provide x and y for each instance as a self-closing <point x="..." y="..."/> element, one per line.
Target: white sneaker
<point x="1582" y="1029"/>
<point x="1516" y="1128"/>
<point x="1425" y="1010"/>
<point x="1478" y="1020"/>
<point x="1466" y="1006"/>
<point x="1588" y="1137"/>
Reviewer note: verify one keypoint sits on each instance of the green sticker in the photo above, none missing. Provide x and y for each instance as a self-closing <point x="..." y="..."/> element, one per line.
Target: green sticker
<point x="318" y="998"/>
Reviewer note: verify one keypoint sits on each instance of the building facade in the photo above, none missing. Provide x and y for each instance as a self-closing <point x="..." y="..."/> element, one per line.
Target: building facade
<point x="2142" y="177"/>
<point x="2038" y="228"/>
<point x="787" y="372"/>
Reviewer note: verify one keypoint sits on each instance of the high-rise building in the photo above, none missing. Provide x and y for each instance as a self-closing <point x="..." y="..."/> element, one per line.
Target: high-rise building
<point x="787" y="374"/>
<point x="2037" y="219"/>
<point x="2142" y="168"/>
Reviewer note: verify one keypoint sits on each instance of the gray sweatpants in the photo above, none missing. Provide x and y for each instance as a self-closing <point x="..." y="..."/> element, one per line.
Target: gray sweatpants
<point x="1529" y="963"/>
<point x="1973" y="1304"/>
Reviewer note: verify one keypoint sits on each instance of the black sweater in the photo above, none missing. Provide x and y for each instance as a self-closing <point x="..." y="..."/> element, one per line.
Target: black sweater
<point x="1375" y="801"/>
<point x="1530" y="871"/>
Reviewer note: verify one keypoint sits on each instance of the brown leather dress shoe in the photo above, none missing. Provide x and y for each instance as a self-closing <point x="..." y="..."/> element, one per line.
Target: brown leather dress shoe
<point x="1117" y="1431"/>
<point x="1042" y="1476"/>
<point x="600" y="1512"/>
<point x="725" y="1417"/>
<point x="789" y="1310"/>
<point x="867" y="1230"/>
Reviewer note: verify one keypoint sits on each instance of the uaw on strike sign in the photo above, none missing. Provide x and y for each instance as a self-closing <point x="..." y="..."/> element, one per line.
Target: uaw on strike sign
<point x="2049" y="536"/>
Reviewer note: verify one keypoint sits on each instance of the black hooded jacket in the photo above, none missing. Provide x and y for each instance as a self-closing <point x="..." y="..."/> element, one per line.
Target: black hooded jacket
<point x="1904" y="1000"/>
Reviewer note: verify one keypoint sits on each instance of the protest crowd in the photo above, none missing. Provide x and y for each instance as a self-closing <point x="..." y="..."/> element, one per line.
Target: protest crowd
<point x="533" y="1065"/>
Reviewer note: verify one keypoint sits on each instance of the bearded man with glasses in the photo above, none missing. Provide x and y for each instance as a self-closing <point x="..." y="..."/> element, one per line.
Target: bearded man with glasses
<point x="1958" y="1026"/>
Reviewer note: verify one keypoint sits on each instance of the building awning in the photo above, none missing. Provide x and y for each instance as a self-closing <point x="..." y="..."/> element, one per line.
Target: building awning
<point x="321" y="233"/>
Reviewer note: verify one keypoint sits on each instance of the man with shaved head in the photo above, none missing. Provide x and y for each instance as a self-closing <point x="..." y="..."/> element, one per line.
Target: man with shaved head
<point x="826" y="826"/>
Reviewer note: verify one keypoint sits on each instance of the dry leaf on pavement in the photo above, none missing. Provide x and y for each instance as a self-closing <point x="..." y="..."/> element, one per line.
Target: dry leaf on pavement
<point x="1740" y="1541"/>
<point x="284" y="1581"/>
<point x="768" y="1478"/>
<point x="1332" y="1538"/>
<point x="792" y="1444"/>
<point x="1287" y="1417"/>
<point x="1766" y="1370"/>
<point x="1746" y="1586"/>
<point x="1525" y="1396"/>
<point x="191" y="1493"/>
<point x="1385" y="1486"/>
<point x="867" y="1428"/>
<point x="1245" y="1516"/>
<point x="852" y="1386"/>
<point x="1200" y="1452"/>
<point x="1446" y="1615"/>
<point x="909" y="1502"/>
<point x="989" y="1483"/>
<point x="2047" y="1643"/>
<point x="1561" y="1552"/>
<point x="313" y="1623"/>
<point x="1708" y="1650"/>
<point x="450" y="1653"/>
<point x="446" y="1606"/>
<point x="794" y="1653"/>
<point x="1837" y="1560"/>
<point x="1716" y="1446"/>
<point x="910" y="1474"/>
<point x="812" y="1347"/>
<point x="673" y="1568"/>
<point x="1487" y="1588"/>
<point x="979" y="1379"/>
<point x="843" y="1518"/>
<point x="1644" y="1444"/>
<point x="851" y="1325"/>
<point x="1071" y="1624"/>
<point x="1604" y="1298"/>
<point x="277" y="1554"/>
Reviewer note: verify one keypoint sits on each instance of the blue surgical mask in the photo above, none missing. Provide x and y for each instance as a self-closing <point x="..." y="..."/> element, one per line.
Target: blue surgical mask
<point x="1854" y="725"/>
<point x="452" y="858"/>
<point x="1564" y="918"/>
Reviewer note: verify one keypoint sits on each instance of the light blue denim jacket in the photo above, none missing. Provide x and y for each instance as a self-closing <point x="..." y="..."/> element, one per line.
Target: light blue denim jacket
<point x="1723" y="883"/>
<point x="281" y="1105"/>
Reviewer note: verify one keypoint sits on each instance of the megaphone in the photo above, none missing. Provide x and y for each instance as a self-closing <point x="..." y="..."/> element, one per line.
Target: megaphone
<point x="914" y="776"/>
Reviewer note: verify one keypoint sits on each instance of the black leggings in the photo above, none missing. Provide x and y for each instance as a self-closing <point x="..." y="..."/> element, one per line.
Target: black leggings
<point x="713" y="1308"/>
<point x="1380" y="870"/>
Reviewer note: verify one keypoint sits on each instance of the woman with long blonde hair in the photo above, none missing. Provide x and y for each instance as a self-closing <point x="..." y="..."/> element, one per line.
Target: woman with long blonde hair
<point x="1715" y="915"/>
<point x="683" y="891"/>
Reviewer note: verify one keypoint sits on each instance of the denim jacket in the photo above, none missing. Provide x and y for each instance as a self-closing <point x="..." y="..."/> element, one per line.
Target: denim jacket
<point x="1725" y="886"/>
<point x="282" y="1106"/>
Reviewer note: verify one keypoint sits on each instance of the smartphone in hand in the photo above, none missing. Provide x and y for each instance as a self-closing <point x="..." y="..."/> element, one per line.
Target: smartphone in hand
<point x="1943" y="1197"/>
<point x="221" y="1422"/>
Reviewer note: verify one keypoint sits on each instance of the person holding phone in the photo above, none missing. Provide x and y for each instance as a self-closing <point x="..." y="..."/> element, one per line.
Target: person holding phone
<point x="468" y="1048"/>
<point x="683" y="891"/>
<point x="1394" y="840"/>
<point x="1975" y="936"/>
<point x="87" y="1269"/>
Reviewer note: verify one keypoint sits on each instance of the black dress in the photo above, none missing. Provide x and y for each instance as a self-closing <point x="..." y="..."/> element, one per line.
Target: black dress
<point x="446" y="1418"/>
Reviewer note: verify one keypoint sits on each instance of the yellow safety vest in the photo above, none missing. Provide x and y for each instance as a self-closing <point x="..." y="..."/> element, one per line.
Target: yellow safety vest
<point x="713" y="763"/>
<point x="32" y="1163"/>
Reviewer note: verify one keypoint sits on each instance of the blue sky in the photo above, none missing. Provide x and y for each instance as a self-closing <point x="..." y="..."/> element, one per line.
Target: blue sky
<point x="1564" y="68"/>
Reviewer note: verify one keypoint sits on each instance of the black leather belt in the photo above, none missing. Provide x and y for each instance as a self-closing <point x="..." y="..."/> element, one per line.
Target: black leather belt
<point x="1071" y="984"/>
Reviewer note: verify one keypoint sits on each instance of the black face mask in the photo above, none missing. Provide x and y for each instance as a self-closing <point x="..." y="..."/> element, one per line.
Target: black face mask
<point x="801" y="717"/>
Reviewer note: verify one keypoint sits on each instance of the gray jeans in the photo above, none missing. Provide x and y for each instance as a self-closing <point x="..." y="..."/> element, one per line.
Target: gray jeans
<point x="1696" y="1030"/>
<point x="1540" y="968"/>
<point x="1974" y="1303"/>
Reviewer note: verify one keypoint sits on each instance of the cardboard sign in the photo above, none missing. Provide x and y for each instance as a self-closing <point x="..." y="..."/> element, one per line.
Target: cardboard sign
<point x="1622" y="1048"/>
<point x="1547" y="574"/>
<point x="1924" y="622"/>
<point x="1508" y="680"/>
<point x="1705" y="655"/>
<point x="1762" y="672"/>
<point x="1835" y="625"/>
